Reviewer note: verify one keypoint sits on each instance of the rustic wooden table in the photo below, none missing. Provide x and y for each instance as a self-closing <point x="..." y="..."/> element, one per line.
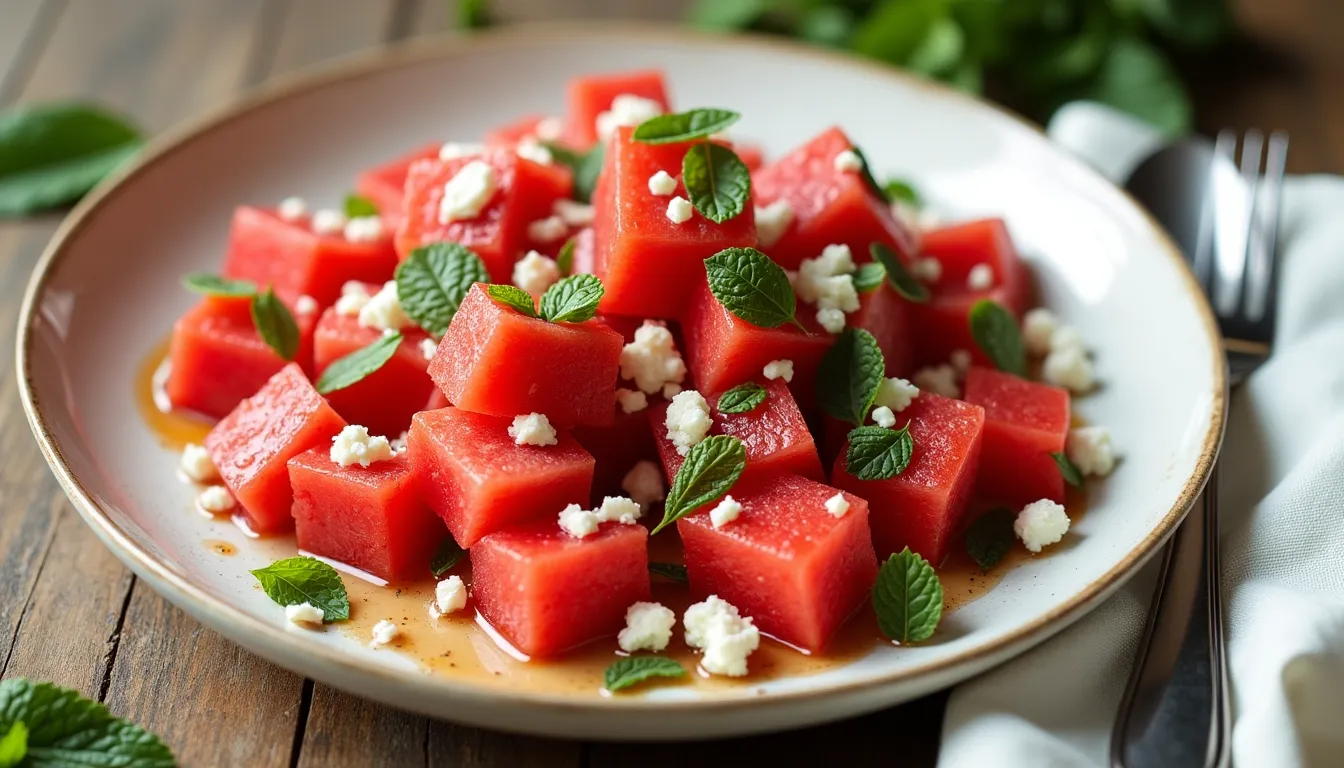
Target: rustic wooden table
<point x="69" y="611"/>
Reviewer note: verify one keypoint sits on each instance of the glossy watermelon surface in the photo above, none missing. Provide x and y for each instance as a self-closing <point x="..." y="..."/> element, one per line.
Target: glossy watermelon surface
<point x="1025" y="422"/>
<point x="385" y="400"/>
<point x="587" y="97"/>
<point x="385" y="185"/>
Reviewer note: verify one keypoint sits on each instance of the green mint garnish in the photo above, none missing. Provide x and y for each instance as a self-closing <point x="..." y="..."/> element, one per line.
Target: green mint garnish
<point x="900" y="279"/>
<point x="47" y="726"/>
<point x="684" y="126"/>
<point x="1066" y="468"/>
<point x="742" y="399"/>
<point x="52" y="154"/>
<point x="850" y="375"/>
<point x="709" y="471"/>
<point x="299" y="580"/>
<point x="996" y="333"/>
<point x="357" y="206"/>
<point x="869" y="276"/>
<point x="275" y="324"/>
<point x="908" y="598"/>
<point x="902" y="191"/>
<point x="748" y="284"/>
<point x="669" y="571"/>
<point x="632" y="670"/>
<point x="565" y="258"/>
<point x="513" y="296"/>
<point x="586" y="167"/>
<point x="867" y="174"/>
<point x="432" y="282"/>
<point x="572" y="300"/>
<point x="717" y="181"/>
<point x="878" y="453"/>
<point x="357" y="365"/>
<point x="447" y="556"/>
<point x="990" y="537"/>
<point x="214" y="285"/>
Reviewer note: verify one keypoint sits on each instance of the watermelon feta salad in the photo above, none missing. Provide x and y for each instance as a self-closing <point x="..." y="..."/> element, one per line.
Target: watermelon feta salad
<point x="508" y="365"/>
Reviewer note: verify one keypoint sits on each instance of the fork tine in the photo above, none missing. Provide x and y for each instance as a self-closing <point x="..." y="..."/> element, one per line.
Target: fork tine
<point x="1224" y="263"/>
<point x="1230" y="276"/>
<point x="1261" y="264"/>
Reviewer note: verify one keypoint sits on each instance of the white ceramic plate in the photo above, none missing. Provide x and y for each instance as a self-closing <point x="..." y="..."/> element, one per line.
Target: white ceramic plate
<point x="107" y="291"/>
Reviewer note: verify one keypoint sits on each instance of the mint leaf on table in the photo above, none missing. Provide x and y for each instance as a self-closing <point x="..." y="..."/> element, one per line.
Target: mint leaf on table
<point x="275" y="324"/>
<point x="564" y="260"/>
<point x="572" y="300"/>
<point x="902" y="191"/>
<point x="632" y="670"/>
<point x="996" y="333"/>
<point x="586" y="167"/>
<point x="432" y="282"/>
<point x="298" y="580"/>
<point x="907" y="598"/>
<point x="513" y="296"/>
<point x="742" y="399"/>
<point x="357" y="365"/>
<point x="869" y="276"/>
<point x="52" y="154"/>
<point x="1066" y="468"/>
<point x="214" y="285"/>
<point x="990" y="537"/>
<point x="717" y="181"/>
<point x="358" y="206"/>
<point x="751" y="286"/>
<point x="447" y="556"/>
<point x="65" y="729"/>
<point x="868" y="181"/>
<point x="850" y="375"/>
<point x="669" y="571"/>
<point x="899" y="277"/>
<point x="709" y="471"/>
<point x="878" y="453"/>
<point x="13" y="744"/>
<point x="684" y="126"/>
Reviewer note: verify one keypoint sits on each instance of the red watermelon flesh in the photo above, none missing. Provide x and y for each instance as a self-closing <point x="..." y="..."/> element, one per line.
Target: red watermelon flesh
<point x="883" y="313"/>
<point x="617" y="448"/>
<point x="385" y="185"/>
<point x="590" y="96"/>
<point x="1025" y="422"/>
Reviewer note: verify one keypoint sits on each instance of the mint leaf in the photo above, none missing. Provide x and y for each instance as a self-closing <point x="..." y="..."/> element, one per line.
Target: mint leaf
<point x="717" y="181"/>
<point x="1066" y="468"/>
<point x="669" y="571"/>
<point x="878" y="453"/>
<point x="709" y="471"/>
<point x="748" y="284"/>
<point x="13" y="745"/>
<point x="902" y="191"/>
<point x="725" y="15"/>
<point x="432" y="282"/>
<point x="631" y="670"/>
<point x="65" y="729"/>
<point x="996" y="333"/>
<point x="900" y="279"/>
<point x="358" y="206"/>
<point x="298" y="580"/>
<point x="355" y="366"/>
<point x="869" y="276"/>
<point x="684" y="126"/>
<point x="448" y="555"/>
<point x="214" y="285"/>
<point x="565" y="258"/>
<point x="851" y="373"/>
<point x="52" y="154"/>
<point x="742" y="399"/>
<point x="586" y="167"/>
<point x="990" y="537"/>
<point x="275" y="324"/>
<point x="513" y="296"/>
<point x="867" y="174"/>
<point x="572" y="300"/>
<point x="907" y="598"/>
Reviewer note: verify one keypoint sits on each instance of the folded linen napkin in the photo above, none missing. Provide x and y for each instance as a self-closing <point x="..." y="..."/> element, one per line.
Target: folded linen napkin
<point x="1282" y="503"/>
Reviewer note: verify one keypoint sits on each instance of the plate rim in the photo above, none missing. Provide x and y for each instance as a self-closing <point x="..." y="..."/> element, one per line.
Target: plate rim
<point x="222" y="614"/>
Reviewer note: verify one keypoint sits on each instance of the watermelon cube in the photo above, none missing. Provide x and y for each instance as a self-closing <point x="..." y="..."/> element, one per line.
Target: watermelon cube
<point x="830" y="206"/>
<point x="592" y="95"/>
<point x="650" y="265"/>
<point x="369" y="517"/>
<point x="887" y="316"/>
<point x="585" y="255"/>
<point x="297" y="261"/>
<point x="617" y="447"/>
<point x="497" y="361"/>
<point x="787" y="561"/>
<point x="478" y="480"/>
<point x="924" y="506"/>
<point x="1025" y="422"/>
<point x="385" y="185"/>
<point x="511" y="133"/>
<point x="252" y="443"/>
<point x="217" y="358"/>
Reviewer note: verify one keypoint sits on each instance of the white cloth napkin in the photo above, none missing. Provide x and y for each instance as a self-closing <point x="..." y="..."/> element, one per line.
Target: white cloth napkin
<point x="1282" y="534"/>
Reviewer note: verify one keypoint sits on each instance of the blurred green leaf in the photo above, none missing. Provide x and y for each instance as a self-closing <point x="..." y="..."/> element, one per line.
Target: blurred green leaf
<point x="941" y="49"/>
<point x="896" y="29"/>
<point x="1137" y="78"/>
<point x="828" y="25"/>
<point x="1192" y="23"/>
<point x="1051" y="62"/>
<point x="967" y="77"/>
<point x="473" y="14"/>
<point x="727" y="15"/>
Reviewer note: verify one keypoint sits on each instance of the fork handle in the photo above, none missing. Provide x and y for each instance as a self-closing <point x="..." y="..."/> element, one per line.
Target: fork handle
<point x="1175" y="712"/>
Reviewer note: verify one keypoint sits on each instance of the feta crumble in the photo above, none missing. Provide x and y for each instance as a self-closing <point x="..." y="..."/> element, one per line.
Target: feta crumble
<point x="726" y="637"/>
<point x="679" y="210"/>
<point x="428" y="348"/>
<point x="535" y="273"/>
<point x="574" y="213"/>
<point x="353" y="298"/>
<point x="364" y="229"/>
<point x="354" y="445"/>
<point x="618" y="509"/>
<point x="896" y="393"/>
<point x="648" y="627"/>
<point x="547" y="230"/>
<point x="328" y="222"/>
<point x="304" y="613"/>
<point x="927" y="269"/>
<point x="292" y="208"/>
<point x="196" y="464"/>
<point x="671" y="390"/>
<point x="577" y="521"/>
<point x="1040" y="524"/>
<point x="831" y="320"/>
<point x="838" y="505"/>
<point x="530" y="149"/>
<point x="1038" y="327"/>
<point x="848" y="161"/>
<point x="631" y="400"/>
<point x="980" y="278"/>
<point x="549" y="129"/>
<point x="383" y="310"/>
<point x="652" y="361"/>
<point x="450" y="596"/>
<point x="828" y="280"/>
<point x="884" y="417"/>
<point x="305" y="305"/>
<point x="533" y="429"/>
<point x="1065" y="337"/>
<point x="725" y="512"/>
<point x="1090" y="450"/>
<point x="939" y="379"/>
<point x="779" y="369"/>
<point x="1069" y="367"/>
<point x="644" y="483"/>
<point x="216" y="499"/>
<point x="772" y="221"/>
<point x="961" y="361"/>
<point x="688" y="420"/>
<point x="398" y="443"/>
<point x="384" y="632"/>
<point x="662" y="184"/>
<point x="467" y="193"/>
<point x="454" y="149"/>
<point x="626" y="109"/>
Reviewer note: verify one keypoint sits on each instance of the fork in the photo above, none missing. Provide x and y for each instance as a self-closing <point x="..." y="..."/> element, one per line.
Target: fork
<point x="1175" y="712"/>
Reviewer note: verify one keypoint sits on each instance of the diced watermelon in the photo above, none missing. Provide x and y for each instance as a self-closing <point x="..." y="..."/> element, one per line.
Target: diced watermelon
<point x="478" y="480"/>
<point x="924" y="506"/>
<point x="584" y="254"/>
<point x="592" y="95"/>
<point x="497" y="361"/>
<point x="617" y="447"/>
<point x="796" y="569"/>
<point x="750" y="154"/>
<point x="829" y="206"/>
<point x="288" y="255"/>
<point x="513" y="132"/>
<point x="1025" y="422"/>
<point x="884" y="314"/>
<point x="217" y="358"/>
<point x="649" y="265"/>
<point x="774" y="435"/>
<point x="385" y="185"/>
<point x="251" y="445"/>
<point x="369" y="517"/>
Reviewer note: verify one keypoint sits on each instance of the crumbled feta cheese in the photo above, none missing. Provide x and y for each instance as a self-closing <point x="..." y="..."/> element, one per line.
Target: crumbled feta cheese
<point x="196" y="464"/>
<point x="1066" y="337"/>
<point x="779" y="369"/>
<point x="467" y="193"/>
<point x="383" y="310"/>
<point x="927" y="269"/>
<point x="618" y="509"/>
<point x="679" y="210"/>
<point x="530" y="149"/>
<point x="455" y="149"/>
<point x="644" y="483"/>
<point x="535" y="273"/>
<point x="450" y="596"/>
<point x="725" y="512"/>
<point x="626" y="109"/>
<point x="838" y="505"/>
<point x="549" y="129"/>
<point x="354" y="445"/>
<point x="216" y="499"/>
<point x="398" y="443"/>
<point x="304" y="613"/>
<point x="1040" y="524"/>
<point x="884" y="417"/>
<point x="577" y="521"/>
<point x="305" y="305"/>
<point x="533" y="429"/>
<point x="384" y="632"/>
<point x="428" y="348"/>
<point x="831" y="320"/>
<point x="688" y="420"/>
<point x="940" y="380"/>
<point x="848" y="161"/>
<point x="574" y="213"/>
<point x="364" y="229"/>
<point x="631" y="400"/>
<point x="1069" y="367"/>
<point x="961" y="361"/>
<point x="772" y="221"/>
<point x="648" y="627"/>
<point x="293" y="208"/>
<point x="980" y="278"/>
<point x="652" y="361"/>
<point x="828" y="280"/>
<point x="353" y="298"/>
<point x="726" y="637"/>
<point x="896" y="393"/>
<point x="547" y="230"/>
<point x="1038" y="327"/>
<point x="1090" y="450"/>
<point x="662" y="184"/>
<point x="328" y="222"/>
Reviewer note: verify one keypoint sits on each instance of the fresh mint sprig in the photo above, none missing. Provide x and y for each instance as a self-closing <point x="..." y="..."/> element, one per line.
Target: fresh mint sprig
<point x="586" y="167"/>
<point x="709" y="471"/>
<point x="717" y="181"/>
<point x="742" y="399"/>
<point x="46" y="726"/>
<point x="514" y="297"/>
<point x="358" y="365"/>
<point x="572" y="299"/>
<point x="1068" y="469"/>
<point x="899" y="277"/>
<point x="990" y="538"/>
<point x="52" y="154"/>
<point x="449" y="554"/>
<point x="869" y="276"/>
<point x="298" y="580"/>
<point x="868" y="180"/>
<point x="907" y="598"/>
<point x="902" y="191"/>
<point x="684" y="126"/>
<point x="13" y="744"/>
<point x="275" y="324"/>
<point x="850" y="375"/>
<point x="996" y="333"/>
<point x="878" y="453"/>
<point x="751" y="286"/>
<point x="669" y="571"/>
<point x="214" y="285"/>
<point x="358" y="206"/>
<point x="433" y="281"/>
<point x="564" y="260"/>
<point x="633" y="670"/>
